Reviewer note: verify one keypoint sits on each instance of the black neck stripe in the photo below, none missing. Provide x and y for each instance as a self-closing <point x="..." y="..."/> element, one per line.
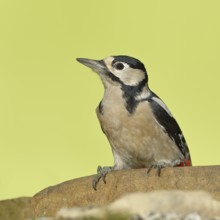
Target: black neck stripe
<point x="114" y="78"/>
<point x="129" y="92"/>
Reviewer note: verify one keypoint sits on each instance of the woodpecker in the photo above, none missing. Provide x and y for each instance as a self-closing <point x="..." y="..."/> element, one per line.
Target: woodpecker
<point x="140" y="128"/>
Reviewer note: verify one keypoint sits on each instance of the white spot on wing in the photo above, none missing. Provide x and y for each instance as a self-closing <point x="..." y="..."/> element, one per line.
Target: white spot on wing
<point x="162" y="104"/>
<point x="181" y="139"/>
<point x="144" y="94"/>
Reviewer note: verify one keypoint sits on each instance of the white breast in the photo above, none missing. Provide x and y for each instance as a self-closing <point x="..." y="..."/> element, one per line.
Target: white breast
<point x="136" y="139"/>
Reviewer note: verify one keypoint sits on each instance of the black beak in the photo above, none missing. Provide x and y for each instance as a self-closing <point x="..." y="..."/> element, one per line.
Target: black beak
<point x="96" y="65"/>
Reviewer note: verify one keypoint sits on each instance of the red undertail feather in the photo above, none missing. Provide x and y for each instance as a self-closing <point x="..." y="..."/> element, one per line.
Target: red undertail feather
<point x="185" y="163"/>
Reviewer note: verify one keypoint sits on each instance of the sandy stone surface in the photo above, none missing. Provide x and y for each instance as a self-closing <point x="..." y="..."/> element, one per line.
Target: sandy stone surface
<point x="15" y="209"/>
<point x="79" y="192"/>
<point x="180" y="193"/>
<point x="175" y="204"/>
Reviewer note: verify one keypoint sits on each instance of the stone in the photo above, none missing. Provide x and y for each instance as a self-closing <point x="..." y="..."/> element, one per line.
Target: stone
<point x="152" y="205"/>
<point x="15" y="209"/>
<point x="79" y="192"/>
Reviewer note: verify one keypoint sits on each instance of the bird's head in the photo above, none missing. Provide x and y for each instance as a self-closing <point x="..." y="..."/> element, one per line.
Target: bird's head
<point x="123" y="70"/>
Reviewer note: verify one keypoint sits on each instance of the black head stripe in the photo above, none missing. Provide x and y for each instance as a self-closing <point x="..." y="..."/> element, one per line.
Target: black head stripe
<point x="113" y="77"/>
<point x="132" y="62"/>
<point x="133" y="91"/>
<point x="130" y="92"/>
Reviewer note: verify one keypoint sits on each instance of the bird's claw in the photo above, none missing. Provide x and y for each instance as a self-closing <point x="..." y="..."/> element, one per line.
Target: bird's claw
<point x="157" y="166"/>
<point x="101" y="174"/>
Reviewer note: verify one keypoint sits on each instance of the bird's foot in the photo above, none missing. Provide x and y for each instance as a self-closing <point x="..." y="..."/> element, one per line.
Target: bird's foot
<point x="101" y="174"/>
<point x="155" y="166"/>
<point x="166" y="163"/>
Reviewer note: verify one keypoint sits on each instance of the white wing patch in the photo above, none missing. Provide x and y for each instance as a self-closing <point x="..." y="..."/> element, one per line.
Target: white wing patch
<point x="145" y="94"/>
<point x="162" y="104"/>
<point x="181" y="139"/>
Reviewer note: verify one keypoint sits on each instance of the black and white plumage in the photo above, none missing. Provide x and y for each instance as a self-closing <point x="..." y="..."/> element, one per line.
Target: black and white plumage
<point x="140" y="128"/>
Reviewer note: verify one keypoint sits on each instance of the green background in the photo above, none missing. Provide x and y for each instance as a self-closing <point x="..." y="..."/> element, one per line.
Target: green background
<point x="49" y="132"/>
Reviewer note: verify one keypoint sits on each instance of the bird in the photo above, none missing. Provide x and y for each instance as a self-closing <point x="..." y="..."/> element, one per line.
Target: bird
<point x="140" y="128"/>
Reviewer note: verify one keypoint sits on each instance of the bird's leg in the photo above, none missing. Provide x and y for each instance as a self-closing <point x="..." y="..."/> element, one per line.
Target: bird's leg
<point x="101" y="174"/>
<point x="163" y="163"/>
<point x="157" y="166"/>
<point x="150" y="168"/>
<point x="159" y="170"/>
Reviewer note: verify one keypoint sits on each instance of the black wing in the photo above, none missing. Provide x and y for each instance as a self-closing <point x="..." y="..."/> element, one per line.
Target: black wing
<point x="169" y="124"/>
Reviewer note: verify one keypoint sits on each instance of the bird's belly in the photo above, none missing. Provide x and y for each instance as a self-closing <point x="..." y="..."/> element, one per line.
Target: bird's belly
<point x="137" y="140"/>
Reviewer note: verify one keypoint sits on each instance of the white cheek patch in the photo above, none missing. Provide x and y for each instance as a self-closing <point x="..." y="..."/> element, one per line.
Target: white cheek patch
<point x="132" y="77"/>
<point x="121" y="73"/>
<point x="128" y="75"/>
<point x="161" y="103"/>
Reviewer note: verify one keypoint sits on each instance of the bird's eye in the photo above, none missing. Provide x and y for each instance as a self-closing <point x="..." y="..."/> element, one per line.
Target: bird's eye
<point x="119" y="66"/>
